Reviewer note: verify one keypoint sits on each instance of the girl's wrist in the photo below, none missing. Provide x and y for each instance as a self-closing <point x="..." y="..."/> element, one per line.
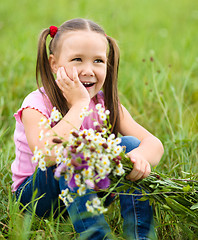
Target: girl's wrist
<point x="81" y="104"/>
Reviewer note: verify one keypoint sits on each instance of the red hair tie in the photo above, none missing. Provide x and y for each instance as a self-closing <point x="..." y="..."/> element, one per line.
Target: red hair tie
<point x="53" y="31"/>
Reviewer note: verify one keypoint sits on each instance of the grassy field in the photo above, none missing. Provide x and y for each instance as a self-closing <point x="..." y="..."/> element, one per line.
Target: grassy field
<point x="157" y="84"/>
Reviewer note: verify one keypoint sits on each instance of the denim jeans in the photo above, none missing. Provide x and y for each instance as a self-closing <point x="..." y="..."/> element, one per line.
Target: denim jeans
<point x="137" y="215"/>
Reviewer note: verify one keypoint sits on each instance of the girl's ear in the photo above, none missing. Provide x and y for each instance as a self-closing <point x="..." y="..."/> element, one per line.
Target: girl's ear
<point x="53" y="64"/>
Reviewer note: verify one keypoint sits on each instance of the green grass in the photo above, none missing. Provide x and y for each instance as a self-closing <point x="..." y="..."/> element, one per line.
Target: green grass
<point x="162" y="95"/>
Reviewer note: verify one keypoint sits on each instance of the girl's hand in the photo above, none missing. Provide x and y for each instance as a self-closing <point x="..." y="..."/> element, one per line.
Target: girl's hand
<point x="141" y="167"/>
<point x="73" y="90"/>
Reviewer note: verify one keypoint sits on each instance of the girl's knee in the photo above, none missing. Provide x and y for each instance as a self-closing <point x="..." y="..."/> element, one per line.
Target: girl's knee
<point x="129" y="142"/>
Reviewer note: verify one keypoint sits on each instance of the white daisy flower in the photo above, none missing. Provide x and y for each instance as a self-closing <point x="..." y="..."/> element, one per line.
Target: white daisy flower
<point x="35" y="159"/>
<point x="82" y="116"/>
<point x="102" y="209"/>
<point x="98" y="106"/>
<point x="42" y="164"/>
<point x="41" y="135"/>
<point x="55" y="115"/>
<point x="43" y="121"/>
<point x="80" y="147"/>
<point x="39" y="154"/>
<point x="101" y="111"/>
<point x="90" y="134"/>
<point x="117" y="150"/>
<point x="59" y="150"/>
<point x="89" y="207"/>
<point x="46" y="143"/>
<point x="112" y="136"/>
<point x="104" y="130"/>
<point x="59" y="159"/>
<point x="119" y="170"/>
<point x="85" y="109"/>
<point x="82" y="190"/>
<point x="107" y="112"/>
<point x="102" y="116"/>
<point x="65" y="202"/>
<point x="64" y="192"/>
<point x="49" y="121"/>
<point x="77" y="178"/>
<point x="96" y="202"/>
<point x="69" y="198"/>
<point x="101" y="171"/>
<point x="66" y="177"/>
<point x="48" y="151"/>
<point x="95" y="123"/>
<point x="118" y="140"/>
<point x="105" y="162"/>
<point x="88" y="173"/>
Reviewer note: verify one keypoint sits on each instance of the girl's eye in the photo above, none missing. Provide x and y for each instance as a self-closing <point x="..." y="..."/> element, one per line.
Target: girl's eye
<point x="77" y="59"/>
<point x="98" y="61"/>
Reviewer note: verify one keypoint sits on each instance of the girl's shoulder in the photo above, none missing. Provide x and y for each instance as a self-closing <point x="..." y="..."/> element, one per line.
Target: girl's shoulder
<point x="35" y="96"/>
<point x="37" y="100"/>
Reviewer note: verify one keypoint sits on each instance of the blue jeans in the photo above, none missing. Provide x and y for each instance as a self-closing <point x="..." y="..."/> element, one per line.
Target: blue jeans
<point x="137" y="215"/>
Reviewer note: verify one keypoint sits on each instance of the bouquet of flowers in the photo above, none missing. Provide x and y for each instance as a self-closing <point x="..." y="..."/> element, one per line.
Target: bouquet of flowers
<point x="93" y="159"/>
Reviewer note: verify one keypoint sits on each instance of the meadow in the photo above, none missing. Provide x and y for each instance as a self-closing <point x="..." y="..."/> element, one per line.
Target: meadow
<point x="157" y="84"/>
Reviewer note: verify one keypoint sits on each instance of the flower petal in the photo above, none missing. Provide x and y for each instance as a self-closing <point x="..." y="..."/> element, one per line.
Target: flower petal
<point x="104" y="183"/>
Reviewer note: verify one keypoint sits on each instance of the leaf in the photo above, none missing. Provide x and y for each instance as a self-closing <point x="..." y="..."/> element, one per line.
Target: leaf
<point x="186" y="188"/>
<point x="178" y="208"/>
<point x="122" y="188"/>
<point x="132" y="190"/>
<point x="153" y="186"/>
<point x="166" y="207"/>
<point x="195" y="206"/>
<point x="144" y="198"/>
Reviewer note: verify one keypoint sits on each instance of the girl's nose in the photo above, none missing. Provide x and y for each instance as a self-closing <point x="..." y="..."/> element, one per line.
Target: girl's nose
<point x="87" y="70"/>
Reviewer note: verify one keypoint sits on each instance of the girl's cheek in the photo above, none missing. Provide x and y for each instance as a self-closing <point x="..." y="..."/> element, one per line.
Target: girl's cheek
<point x="69" y="71"/>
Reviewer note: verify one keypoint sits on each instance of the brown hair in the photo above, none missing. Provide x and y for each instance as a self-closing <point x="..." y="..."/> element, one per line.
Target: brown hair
<point x="51" y="88"/>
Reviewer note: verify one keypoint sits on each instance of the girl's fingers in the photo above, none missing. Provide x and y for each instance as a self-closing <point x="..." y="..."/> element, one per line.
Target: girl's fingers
<point x="64" y="76"/>
<point x="147" y="171"/>
<point x="75" y="75"/>
<point x="133" y="175"/>
<point x="133" y="160"/>
<point x="136" y="176"/>
<point x="59" y="82"/>
<point x="58" y="74"/>
<point x="139" y="172"/>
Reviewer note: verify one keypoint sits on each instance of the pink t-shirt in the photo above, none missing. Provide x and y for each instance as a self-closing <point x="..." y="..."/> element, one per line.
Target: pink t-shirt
<point x="22" y="167"/>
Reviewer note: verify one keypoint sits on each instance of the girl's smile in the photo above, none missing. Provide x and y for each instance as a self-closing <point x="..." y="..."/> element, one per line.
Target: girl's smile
<point x="87" y="51"/>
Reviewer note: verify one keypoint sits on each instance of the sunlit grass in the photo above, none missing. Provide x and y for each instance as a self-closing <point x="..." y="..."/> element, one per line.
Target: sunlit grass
<point x="157" y="83"/>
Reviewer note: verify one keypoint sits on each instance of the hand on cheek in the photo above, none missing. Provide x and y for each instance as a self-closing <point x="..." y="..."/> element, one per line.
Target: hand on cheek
<point x="141" y="168"/>
<point x="75" y="74"/>
<point x="71" y="87"/>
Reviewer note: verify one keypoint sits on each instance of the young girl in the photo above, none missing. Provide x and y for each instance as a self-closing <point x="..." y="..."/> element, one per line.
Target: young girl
<point x="83" y="60"/>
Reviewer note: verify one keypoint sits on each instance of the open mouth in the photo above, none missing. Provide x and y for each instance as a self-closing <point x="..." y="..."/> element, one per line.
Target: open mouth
<point x="88" y="84"/>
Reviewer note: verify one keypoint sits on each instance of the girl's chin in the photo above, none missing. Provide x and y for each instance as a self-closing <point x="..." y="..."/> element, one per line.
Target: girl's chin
<point x="91" y="93"/>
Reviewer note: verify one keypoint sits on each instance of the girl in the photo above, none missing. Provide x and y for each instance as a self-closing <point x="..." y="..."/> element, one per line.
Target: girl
<point x="84" y="60"/>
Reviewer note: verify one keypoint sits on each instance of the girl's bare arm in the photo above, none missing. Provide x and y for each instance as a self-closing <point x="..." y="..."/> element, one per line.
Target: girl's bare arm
<point x="149" y="151"/>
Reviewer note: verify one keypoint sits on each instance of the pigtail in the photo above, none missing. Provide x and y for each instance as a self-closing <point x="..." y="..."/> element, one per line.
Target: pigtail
<point x="110" y="85"/>
<point x="43" y="70"/>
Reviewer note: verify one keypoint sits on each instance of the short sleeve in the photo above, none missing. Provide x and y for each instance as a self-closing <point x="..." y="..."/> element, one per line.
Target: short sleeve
<point x="35" y="100"/>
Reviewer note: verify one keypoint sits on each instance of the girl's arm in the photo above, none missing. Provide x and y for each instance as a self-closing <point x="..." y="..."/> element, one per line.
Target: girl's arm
<point x="149" y="151"/>
<point x="31" y="119"/>
<point x="77" y="97"/>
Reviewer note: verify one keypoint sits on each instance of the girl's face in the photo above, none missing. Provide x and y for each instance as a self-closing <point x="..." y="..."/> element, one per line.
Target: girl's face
<point x="87" y="51"/>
